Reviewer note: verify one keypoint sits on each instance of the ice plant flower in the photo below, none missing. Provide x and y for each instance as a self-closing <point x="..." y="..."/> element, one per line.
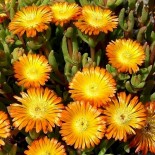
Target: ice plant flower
<point x="64" y="12"/>
<point x="125" y="55"/>
<point x="82" y="125"/>
<point x="45" y="146"/>
<point x="39" y="109"/>
<point x="94" y="20"/>
<point x="123" y="115"/>
<point x="4" y="127"/>
<point x="94" y="85"/>
<point x="31" y="19"/>
<point x="144" y="139"/>
<point x="31" y="70"/>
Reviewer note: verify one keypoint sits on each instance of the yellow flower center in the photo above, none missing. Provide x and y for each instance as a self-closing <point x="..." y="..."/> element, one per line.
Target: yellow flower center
<point x="149" y="129"/>
<point x="96" y="20"/>
<point x="38" y="110"/>
<point x="81" y="124"/>
<point x="92" y="89"/>
<point x="46" y="153"/>
<point x="32" y="73"/>
<point x="43" y="152"/>
<point x="121" y="119"/>
<point x="31" y="20"/>
<point x="125" y="55"/>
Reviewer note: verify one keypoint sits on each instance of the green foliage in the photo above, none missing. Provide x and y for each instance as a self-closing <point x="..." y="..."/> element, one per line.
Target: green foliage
<point x="68" y="51"/>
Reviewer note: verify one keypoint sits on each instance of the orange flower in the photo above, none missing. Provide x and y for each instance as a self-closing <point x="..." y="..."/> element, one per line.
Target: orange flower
<point x="82" y="125"/>
<point x="64" y="12"/>
<point x="4" y="127"/>
<point x="45" y="146"/>
<point x="123" y="115"/>
<point x="31" y="19"/>
<point x="3" y="16"/>
<point x="40" y="109"/>
<point x="31" y="70"/>
<point x="144" y="139"/>
<point x="125" y="55"/>
<point x="94" y="20"/>
<point x="94" y="85"/>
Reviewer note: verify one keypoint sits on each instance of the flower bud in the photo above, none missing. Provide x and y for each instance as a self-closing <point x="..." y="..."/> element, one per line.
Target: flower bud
<point x="17" y="52"/>
<point x="10" y="39"/>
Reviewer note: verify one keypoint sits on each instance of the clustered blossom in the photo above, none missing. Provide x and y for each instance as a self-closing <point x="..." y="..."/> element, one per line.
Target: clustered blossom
<point x="94" y="20"/>
<point x="89" y="19"/>
<point x="40" y="109"/>
<point x="94" y="85"/>
<point x="5" y="130"/>
<point x="125" y="55"/>
<point x="144" y="138"/>
<point x="96" y="109"/>
<point x="31" y="19"/>
<point x="82" y="125"/>
<point x="32" y="70"/>
<point x="123" y="115"/>
<point x="45" y="146"/>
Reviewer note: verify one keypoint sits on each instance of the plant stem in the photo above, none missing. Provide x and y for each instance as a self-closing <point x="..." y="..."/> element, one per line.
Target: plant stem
<point x="70" y="48"/>
<point x="106" y="147"/>
<point x="92" y="53"/>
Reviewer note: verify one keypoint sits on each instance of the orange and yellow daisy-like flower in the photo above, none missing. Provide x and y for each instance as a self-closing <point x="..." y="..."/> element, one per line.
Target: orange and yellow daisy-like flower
<point x="94" y="85"/>
<point x="3" y="16"/>
<point x="40" y="109"/>
<point x="4" y="127"/>
<point x="144" y="139"/>
<point x="125" y="55"/>
<point x="123" y="115"/>
<point x="82" y="125"/>
<point x="45" y="146"/>
<point x="64" y="12"/>
<point x="94" y="20"/>
<point x="31" y="70"/>
<point x="31" y="19"/>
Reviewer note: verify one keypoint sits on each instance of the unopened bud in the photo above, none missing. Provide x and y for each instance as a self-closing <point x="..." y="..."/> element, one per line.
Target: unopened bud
<point x="10" y="39"/>
<point x="17" y="52"/>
